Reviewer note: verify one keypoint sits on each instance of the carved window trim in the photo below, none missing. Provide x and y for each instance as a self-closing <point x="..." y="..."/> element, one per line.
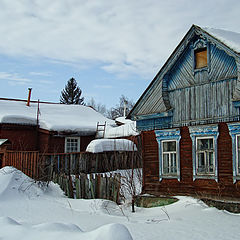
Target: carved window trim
<point x="200" y="45"/>
<point x="234" y="130"/>
<point x="198" y="132"/>
<point x="237" y="155"/>
<point x="168" y="135"/>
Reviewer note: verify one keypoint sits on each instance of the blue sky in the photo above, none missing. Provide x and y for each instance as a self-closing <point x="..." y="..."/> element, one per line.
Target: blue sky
<point x="110" y="47"/>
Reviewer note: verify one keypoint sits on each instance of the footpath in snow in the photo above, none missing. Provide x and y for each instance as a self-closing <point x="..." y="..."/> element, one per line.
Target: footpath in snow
<point x="28" y="211"/>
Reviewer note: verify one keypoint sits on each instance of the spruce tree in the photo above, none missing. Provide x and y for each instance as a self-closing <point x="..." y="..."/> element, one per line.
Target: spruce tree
<point x="71" y="94"/>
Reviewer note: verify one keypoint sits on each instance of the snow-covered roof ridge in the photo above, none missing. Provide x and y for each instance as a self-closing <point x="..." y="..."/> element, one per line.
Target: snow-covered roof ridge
<point x="106" y="145"/>
<point x="53" y="117"/>
<point x="125" y="130"/>
<point x="229" y="38"/>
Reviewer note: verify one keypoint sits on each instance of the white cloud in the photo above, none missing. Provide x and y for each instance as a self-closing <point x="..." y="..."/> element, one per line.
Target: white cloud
<point x="43" y="74"/>
<point x="14" y="78"/>
<point x="125" y="36"/>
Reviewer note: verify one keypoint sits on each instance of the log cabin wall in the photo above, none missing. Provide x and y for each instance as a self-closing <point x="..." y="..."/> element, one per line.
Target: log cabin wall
<point x="22" y="137"/>
<point x="223" y="188"/>
<point x="31" y="138"/>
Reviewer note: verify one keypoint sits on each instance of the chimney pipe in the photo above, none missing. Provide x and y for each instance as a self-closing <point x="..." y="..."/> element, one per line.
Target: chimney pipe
<point x="29" y="96"/>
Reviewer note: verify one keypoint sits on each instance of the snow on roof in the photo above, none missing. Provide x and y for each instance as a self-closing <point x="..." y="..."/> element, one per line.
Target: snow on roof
<point x="123" y="120"/>
<point x="53" y="117"/>
<point x="231" y="39"/>
<point x="2" y="141"/>
<point x="128" y="129"/>
<point x="106" y="145"/>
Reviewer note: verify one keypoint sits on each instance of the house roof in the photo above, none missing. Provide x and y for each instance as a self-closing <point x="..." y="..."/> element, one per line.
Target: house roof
<point x="229" y="41"/>
<point x="52" y="117"/>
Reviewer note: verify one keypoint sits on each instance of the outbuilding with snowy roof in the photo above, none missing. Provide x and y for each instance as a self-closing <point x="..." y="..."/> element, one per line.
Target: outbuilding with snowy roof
<point x="190" y="118"/>
<point x="48" y="127"/>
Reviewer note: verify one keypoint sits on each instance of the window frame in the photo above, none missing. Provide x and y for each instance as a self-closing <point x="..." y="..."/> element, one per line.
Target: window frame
<point x="168" y="135"/>
<point x="197" y="46"/>
<point x="237" y="156"/>
<point x="169" y="160"/>
<point x="205" y="160"/>
<point x="205" y="131"/>
<point x="234" y="130"/>
<point x="196" y="60"/>
<point x="66" y="142"/>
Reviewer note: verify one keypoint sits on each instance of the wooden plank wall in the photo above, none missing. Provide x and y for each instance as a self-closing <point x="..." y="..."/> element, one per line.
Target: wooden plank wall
<point x="202" y="188"/>
<point x="203" y="94"/>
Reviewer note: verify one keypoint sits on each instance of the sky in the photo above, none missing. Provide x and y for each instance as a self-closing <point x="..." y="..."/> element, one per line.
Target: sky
<point x="111" y="48"/>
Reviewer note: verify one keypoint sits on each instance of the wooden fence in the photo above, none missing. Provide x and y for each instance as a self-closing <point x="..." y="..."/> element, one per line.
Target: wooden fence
<point x="74" y="171"/>
<point x="67" y="170"/>
<point x="42" y="166"/>
<point x="76" y="163"/>
<point x="90" y="186"/>
<point x="28" y="162"/>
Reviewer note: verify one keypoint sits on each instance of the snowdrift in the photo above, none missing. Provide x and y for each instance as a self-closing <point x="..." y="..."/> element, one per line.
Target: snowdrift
<point x="19" y="193"/>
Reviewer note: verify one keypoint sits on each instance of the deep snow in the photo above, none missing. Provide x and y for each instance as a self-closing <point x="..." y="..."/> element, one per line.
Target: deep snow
<point x="30" y="212"/>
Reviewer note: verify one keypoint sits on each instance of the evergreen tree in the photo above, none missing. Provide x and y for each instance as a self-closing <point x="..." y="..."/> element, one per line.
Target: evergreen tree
<point x="71" y="94"/>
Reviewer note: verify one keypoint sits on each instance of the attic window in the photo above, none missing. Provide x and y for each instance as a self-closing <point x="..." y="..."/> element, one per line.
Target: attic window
<point x="200" y="56"/>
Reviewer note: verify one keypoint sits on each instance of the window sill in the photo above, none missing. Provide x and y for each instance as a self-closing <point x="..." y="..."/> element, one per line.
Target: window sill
<point x="161" y="177"/>
<point x="205" y="176"/>
<point x="200" y="69"/>
<point x="236" y="178"/>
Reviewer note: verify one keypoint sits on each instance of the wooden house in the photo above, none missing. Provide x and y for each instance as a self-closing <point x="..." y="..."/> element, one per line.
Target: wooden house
<point x="189" y="118"/>
<point x="48" y="127"/>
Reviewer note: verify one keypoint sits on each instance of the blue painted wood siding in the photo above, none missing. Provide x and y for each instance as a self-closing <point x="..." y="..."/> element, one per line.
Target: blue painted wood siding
<point x="205" y="95"/>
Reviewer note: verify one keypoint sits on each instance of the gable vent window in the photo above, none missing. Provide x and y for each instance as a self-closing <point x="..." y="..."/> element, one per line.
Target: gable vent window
<point x="200" y="58"/>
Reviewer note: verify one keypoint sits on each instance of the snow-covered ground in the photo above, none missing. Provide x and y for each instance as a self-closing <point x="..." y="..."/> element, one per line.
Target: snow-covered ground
<point x="29" y="212"/>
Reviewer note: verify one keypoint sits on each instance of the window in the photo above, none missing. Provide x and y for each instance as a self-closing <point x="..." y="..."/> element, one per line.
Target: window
<point x="200" y="58"/>
<point x="204" y="151"/>
<point x="238" y="155"/>
<point x="205" y="156"/>
<point x="72" y="144"/>
<point x="234" y="129"/>
<point x="169" y="156"/>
